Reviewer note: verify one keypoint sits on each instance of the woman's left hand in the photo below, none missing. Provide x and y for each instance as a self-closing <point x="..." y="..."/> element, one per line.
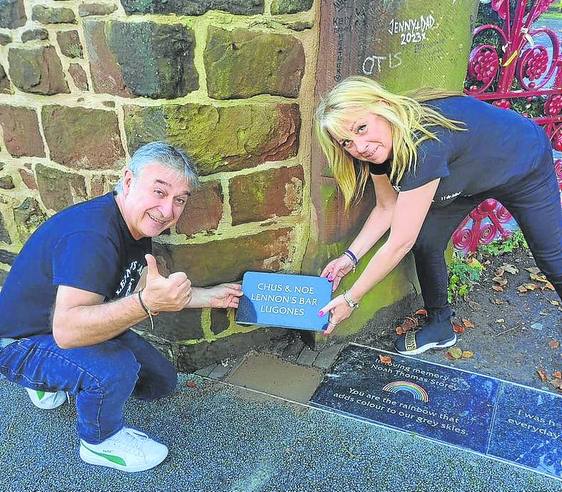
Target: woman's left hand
<point x="339" y="310"/>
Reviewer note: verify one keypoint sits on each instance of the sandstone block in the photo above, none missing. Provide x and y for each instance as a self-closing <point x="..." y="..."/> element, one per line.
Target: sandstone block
<point x="59" y="189"/>
<point x="194" y="7"/>
<point x="290" y="6"/>
<point x="102" y="184"/>
<point x="196" y="356"/>
<point x="21" y="131"/>
<point x="27" y="217"/>
<point x="226" y="260"/>
<point x="83" y="138"/>
<point x="6" y="183"/>
<point x="69" y="42"/>
<point x="28" y="177"/>
<point x="5" y="39"/>
<point x="87" y="9"/>
<point x="12" y="14"/>
<point x="4" y="235"/>
<point x="78" y="76"/>
<point x="159" y="64"/>
<point x="243" y="63"/>
<point x="37" y="70"/>
<point x="203" y="211"/>
<point x="219" y="138"/>
<point x="5" y="86"/>
<point x="7" y="257"/>
<point x="266" y="194"/>
<point x="53" y="15"/>
<point x="34" y="35"/>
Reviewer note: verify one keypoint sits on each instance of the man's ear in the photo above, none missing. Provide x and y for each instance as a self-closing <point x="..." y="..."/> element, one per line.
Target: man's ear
<point x="127" y="181"/>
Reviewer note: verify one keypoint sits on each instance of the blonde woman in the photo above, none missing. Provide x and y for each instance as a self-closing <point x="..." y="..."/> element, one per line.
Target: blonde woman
<point x="432" y="158"/>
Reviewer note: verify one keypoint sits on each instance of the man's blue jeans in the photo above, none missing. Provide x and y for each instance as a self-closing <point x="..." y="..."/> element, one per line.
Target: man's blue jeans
<point x="101" y="376"/>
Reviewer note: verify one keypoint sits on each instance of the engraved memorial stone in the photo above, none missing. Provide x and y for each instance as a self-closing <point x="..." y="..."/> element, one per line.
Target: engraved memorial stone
<point x="497" y="418"/>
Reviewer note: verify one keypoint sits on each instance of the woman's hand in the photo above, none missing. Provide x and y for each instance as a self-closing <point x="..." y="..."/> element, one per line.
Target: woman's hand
<point x="220" y="296"/>
<point x="337" y="269"/>
<point x="339" y="310"/>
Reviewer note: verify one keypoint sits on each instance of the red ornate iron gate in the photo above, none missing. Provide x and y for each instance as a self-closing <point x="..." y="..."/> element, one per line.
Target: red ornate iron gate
<point x="509" y="68"/>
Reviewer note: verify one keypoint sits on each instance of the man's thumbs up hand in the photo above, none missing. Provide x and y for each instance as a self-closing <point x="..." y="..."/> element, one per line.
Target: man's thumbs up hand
<point x="152" y="268"/>
<point x="165" y="294"/>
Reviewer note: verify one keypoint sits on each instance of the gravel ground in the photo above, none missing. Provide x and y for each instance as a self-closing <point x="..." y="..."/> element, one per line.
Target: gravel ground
<point x="224" y="438"/>
<point x="511" y="332"/>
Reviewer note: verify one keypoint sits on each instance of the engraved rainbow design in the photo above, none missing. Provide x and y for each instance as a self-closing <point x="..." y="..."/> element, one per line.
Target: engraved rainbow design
<point x="414" y="389"/>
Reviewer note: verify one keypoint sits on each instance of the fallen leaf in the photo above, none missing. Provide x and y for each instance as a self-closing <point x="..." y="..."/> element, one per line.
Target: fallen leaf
<point x="538" y="277"/>
<point x="500" y="320"/>
<point x="530" y="286"/>
<point x="522" y="289"/>
<point x="557" y="374"/>
<point x="534" y="270"/>
<point x="408" y="324"/>
<point x="555" y="303"/>
<point x="385" y="359"/>
<point x="458" y="328"/>
<point x="554" y="344"/>
<point x="191" y="384"/>
<point x="500" y="281"/>
<point x="467" y="323"/>
<point x="473" y="305"/>
<point x="557" y="383"/>
<point x="498" y="301"/>
<point x="499" y="272"/>
<point x="455" y="352"/>
<point x="510" y="268"/>
<point x="467" y="354"/>
<point x="548" y="286"/>
<point x="542" y="375"/>
<point x="497" y="288"/>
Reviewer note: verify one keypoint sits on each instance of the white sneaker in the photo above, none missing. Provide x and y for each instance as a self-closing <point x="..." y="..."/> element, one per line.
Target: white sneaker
<point x="129" y="450"/>
<point x="45" y="399"/>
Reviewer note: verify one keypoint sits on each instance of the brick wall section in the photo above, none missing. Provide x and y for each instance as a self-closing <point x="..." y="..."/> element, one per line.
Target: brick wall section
<point x="85" y="83"/>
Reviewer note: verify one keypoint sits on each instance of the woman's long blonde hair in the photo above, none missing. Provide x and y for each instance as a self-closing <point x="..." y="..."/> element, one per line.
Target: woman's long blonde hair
<point x="409" y="119"/>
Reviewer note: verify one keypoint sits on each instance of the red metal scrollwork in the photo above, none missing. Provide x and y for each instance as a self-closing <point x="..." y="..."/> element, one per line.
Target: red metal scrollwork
<point x="511" y="69"/>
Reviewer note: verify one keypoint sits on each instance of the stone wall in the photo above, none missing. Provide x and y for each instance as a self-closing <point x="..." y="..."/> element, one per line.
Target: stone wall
<point x="83" y="84"/>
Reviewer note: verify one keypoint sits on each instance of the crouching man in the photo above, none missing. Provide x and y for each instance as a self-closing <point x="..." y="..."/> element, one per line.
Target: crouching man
<point x="73" y="293"/>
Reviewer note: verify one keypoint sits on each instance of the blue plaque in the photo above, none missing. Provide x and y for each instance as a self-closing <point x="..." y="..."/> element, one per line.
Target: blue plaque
<point x="284" y="301"/>
<point x="503" y="420"/>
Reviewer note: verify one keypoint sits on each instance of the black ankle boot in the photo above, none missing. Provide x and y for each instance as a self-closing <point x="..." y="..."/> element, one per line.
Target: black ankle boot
<point x="436" y="333"/>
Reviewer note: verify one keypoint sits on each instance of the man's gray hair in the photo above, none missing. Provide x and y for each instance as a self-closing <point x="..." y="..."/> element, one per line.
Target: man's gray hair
<point x="165" y="154"/>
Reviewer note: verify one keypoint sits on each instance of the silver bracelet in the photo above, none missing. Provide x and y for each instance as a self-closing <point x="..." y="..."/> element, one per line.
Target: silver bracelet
<point x="350" y="302"/>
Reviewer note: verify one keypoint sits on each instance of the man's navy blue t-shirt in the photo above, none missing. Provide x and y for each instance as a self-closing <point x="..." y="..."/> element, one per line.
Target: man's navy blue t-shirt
<point x="497" y="148"/>
<point x="87" y="246"/>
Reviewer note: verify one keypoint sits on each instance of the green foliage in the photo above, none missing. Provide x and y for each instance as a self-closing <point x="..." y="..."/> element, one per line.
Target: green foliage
<point x="500" y="247"/>
<point x="464" y="271"/>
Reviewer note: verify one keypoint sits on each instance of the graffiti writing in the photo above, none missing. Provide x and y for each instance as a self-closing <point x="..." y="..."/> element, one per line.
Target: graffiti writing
<point x="412" y="30"/>
<point x="375" y="63"/>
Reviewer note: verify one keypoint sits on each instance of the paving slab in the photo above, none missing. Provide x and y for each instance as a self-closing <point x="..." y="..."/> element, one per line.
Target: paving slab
<point x="225" y="439"/>
<point x="271" y="375"/>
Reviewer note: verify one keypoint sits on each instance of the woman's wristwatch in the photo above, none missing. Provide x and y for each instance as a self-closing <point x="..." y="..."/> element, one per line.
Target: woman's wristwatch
<point x="350" y="302"/>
